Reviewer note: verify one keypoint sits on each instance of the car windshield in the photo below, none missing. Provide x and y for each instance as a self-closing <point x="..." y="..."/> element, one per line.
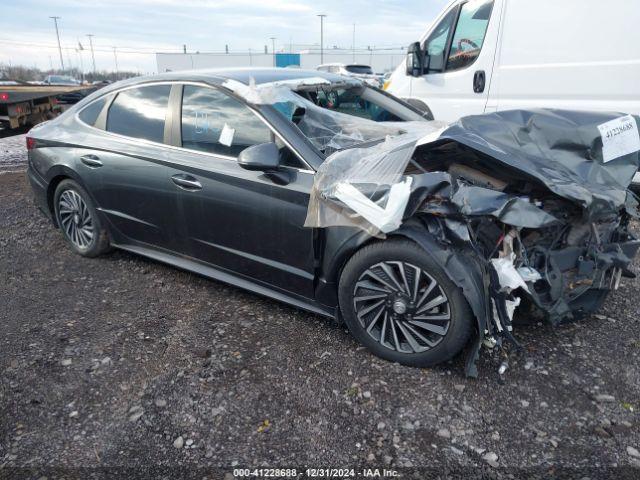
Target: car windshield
<point x="359" y="69"/>
<point x="335" y="117"/>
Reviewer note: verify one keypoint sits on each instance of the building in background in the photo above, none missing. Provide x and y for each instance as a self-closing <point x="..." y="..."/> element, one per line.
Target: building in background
<point x="380" y="60"/>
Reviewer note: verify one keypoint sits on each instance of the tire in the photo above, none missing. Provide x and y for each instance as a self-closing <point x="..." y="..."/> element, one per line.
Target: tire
<point x="78" y="220"/>
<point x="449" y="324"/>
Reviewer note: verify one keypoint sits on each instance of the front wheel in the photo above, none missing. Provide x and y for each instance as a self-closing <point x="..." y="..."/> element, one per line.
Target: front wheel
<point x="401" y="305"/>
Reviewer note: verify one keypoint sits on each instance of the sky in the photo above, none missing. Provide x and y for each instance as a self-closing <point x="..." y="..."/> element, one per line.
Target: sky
<point x="139" y="28"/>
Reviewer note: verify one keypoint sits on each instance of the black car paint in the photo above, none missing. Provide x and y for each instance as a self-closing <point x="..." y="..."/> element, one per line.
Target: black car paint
<point x="242" y="227"/>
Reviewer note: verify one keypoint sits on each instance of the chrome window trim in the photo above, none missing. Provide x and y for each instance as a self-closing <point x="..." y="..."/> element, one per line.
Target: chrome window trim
<point x="209" y="154"/>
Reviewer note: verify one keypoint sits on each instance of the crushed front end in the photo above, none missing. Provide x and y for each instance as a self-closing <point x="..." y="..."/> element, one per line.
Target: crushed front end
<point x="527" y="212"/>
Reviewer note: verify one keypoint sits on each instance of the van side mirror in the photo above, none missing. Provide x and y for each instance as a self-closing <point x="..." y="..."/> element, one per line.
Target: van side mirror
<point x="415" y="60"/>
<point x="263" y="157"/>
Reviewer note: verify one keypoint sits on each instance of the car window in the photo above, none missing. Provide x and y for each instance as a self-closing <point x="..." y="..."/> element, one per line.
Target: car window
<point x="214" y="122"/>
<point x="360" y="69"/>
<point x="436" y="44"/>
<point x="140" y="112"/>
<point x="90" y="113"/>
<point x="469" y="33"/>
<point x="350" y="102"/>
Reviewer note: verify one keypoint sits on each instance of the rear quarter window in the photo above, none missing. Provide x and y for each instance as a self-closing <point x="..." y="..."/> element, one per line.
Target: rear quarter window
<point x="140" y="112"/>
<point x="91" y="112"/>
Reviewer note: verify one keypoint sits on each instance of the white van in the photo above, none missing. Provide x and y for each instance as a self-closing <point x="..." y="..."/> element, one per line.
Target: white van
<point x="488" y="55"/>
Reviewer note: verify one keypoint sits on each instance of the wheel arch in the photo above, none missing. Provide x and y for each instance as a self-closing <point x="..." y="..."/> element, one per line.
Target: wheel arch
<point x="55" y="176"/>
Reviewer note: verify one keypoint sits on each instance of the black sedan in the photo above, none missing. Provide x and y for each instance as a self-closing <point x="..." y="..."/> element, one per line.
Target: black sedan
<point x="212" y="172"/>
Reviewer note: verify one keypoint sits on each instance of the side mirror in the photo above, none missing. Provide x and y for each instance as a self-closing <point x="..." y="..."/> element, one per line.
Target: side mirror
<point x="263" y="157"/>
<point x="415" y="58"/>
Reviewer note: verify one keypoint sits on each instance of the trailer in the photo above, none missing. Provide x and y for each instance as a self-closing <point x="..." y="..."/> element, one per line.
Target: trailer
<point x="26" y="104"/>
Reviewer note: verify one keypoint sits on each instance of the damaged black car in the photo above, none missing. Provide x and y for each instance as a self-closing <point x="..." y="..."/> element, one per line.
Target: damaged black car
<point x="333" y="196"/>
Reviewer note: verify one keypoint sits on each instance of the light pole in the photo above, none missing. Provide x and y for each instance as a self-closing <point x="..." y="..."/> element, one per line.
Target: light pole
<point x="79" y="55"/>
<point x="321" y="37"/>
<point x="115" y="56"/>
<point x="55" y="21"/>
<point x="353" y="43"/>
<point x="93" y="58"/>
<point x="273" y="49"/>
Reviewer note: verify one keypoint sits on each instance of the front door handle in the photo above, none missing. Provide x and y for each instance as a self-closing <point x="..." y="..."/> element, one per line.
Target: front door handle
<point x="186" y="182"/>
<point x="479" y="79"/>
<point x="90" y="160"/>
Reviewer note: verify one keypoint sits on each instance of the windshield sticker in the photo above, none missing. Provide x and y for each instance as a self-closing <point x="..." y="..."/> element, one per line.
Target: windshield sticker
<point x="226" y="136"/>
<point x="619" y="137"/>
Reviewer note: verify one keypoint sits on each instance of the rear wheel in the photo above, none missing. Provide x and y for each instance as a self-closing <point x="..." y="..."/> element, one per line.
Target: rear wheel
<point x="402" y="306"/>
<point x="78" y="220"/>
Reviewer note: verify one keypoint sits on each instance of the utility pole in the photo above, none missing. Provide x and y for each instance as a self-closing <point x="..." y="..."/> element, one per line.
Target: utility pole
<point x="55" y="21"/>
<point x="353" y="43"/>
<point x="115" y="56"/>
<point x="79" y="54"/>
<point x="321" y="37"/>
<point x="93" y="58"/>
<point x="273" y="49"/>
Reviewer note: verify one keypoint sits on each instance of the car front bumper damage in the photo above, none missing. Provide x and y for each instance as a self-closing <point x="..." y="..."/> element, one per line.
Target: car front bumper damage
<point x="524" y="211"/>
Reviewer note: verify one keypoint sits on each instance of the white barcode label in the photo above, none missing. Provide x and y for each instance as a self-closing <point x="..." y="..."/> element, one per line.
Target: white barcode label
<point x="619" y="137"/>
<point x="226" y="135"/>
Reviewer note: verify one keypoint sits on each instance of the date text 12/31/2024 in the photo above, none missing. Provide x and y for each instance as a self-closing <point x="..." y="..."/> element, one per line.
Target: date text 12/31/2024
<point x="314" y="473"/>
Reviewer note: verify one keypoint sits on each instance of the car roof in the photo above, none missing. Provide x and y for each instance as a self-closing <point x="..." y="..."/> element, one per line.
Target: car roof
<point x="218" y="76"/>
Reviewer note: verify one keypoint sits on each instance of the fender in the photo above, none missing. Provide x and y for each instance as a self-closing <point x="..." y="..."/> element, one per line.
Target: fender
<point x="334" y="247"/>
<point x="462" y="267"/>
<point x="53" y="177"/>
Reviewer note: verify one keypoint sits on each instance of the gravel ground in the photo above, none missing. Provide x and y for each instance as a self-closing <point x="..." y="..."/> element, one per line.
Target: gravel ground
<point x="13" y="153"/>
<point x="123" y="362"/>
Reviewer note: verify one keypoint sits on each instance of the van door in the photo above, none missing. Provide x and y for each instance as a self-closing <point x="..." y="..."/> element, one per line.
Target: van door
<point x="460" y="52"/>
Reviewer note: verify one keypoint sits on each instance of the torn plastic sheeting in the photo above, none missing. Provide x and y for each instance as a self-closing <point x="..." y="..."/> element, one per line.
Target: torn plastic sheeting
<point x="508" y="276"/>
<point x="327" y="130"/>
<point x="561" y="149"/>
<point x="385" y="219"/>
<point x="373" y="172"/>
<point x="272" y="92"/>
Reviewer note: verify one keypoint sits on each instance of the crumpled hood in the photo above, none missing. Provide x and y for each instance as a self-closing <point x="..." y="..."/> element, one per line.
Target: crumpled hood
<point x="561" y="149"/>
<point x="588" y="158"/>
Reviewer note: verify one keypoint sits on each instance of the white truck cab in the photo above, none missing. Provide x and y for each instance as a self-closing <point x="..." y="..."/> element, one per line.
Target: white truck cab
<point x="487" y="55"/>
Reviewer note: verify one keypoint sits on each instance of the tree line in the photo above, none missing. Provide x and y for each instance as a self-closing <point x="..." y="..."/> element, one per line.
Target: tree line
<point x="34" y="74"/>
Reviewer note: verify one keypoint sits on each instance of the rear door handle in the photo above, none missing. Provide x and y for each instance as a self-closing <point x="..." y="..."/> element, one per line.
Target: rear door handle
<point x="186" y="182"/>
<point x="479" y="79"/>
<point x="92" y="161"/>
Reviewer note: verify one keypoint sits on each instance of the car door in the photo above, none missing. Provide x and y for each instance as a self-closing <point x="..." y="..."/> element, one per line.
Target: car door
<point x="246" y="222"/>
<point x="128" y="169"/>
<point x="460" y="52"/>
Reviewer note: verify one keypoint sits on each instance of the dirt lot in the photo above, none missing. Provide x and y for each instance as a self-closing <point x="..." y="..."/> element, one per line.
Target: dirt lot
<point x="123" y="362"/>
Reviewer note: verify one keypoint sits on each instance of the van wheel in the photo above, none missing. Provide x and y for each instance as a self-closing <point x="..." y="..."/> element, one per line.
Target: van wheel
<point x="402" y="306"/>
